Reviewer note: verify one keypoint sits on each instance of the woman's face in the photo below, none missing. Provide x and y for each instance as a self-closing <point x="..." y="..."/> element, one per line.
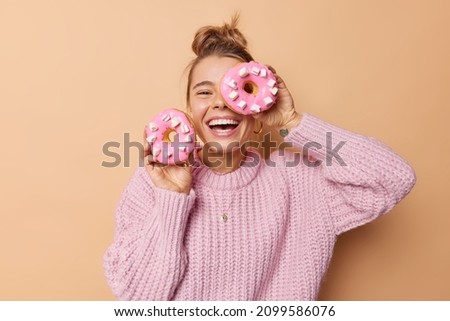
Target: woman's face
<point x="215" y="122"/>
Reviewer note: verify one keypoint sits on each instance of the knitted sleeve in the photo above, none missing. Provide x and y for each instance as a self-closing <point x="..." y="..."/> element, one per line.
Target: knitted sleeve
<point x="361" y="178"/>
<point x="146" y="260"/>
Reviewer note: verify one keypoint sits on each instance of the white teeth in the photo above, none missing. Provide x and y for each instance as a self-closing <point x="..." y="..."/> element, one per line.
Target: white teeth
<point x="223" y="122"/>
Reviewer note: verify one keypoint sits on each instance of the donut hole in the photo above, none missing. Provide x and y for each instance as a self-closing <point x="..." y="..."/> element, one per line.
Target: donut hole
<point x="169" y="135"/>
<point x="251" y="88"/>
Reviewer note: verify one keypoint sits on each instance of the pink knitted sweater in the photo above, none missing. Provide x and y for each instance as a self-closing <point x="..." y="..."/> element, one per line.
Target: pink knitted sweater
<point x="282" y="224"/>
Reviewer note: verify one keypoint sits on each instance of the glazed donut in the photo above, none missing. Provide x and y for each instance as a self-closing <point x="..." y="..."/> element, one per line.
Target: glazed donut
<point x="171" y="137"/>
<point x="249" y="88"/>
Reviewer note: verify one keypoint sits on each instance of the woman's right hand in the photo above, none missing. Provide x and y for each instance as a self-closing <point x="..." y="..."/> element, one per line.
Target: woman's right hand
<point x="177" y="178"/>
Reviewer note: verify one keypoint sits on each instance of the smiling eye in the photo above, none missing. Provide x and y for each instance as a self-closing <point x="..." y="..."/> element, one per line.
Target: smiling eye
<point x="203" y="93"/>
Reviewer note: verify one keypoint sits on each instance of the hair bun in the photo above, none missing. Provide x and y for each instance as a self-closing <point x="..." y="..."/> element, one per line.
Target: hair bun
<point x="209" y="38"/>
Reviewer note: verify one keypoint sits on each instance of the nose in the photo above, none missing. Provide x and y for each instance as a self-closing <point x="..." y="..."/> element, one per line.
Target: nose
<point x="219" y="102"/>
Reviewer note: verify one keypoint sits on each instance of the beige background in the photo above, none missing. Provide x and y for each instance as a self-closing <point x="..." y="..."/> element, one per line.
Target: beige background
<point x="75" y="75"/>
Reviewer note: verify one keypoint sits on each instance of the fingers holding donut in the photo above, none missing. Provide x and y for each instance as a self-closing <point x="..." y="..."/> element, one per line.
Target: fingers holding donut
<point x="175" y="178"/>
<point x="280" y="82"/>
<point x="284" y="113"/>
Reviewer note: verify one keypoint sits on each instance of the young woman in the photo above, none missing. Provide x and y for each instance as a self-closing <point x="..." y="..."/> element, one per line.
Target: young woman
<point x="236" y="226"/>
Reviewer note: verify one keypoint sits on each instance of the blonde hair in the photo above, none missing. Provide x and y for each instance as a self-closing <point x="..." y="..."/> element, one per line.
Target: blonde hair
<point x="221" y="41"/>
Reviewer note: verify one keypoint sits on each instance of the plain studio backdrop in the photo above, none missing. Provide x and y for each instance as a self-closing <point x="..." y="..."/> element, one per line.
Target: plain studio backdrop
<point x="75" y="75"/>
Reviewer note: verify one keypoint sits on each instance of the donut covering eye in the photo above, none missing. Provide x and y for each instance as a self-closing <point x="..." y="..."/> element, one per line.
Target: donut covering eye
<point x="249" y="88"/>
<point x="171" y="137"/>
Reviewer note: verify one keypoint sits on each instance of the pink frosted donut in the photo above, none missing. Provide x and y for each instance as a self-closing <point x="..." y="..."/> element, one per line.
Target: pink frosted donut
<point x="249" y="88"/>
<point x="171" y="137"/>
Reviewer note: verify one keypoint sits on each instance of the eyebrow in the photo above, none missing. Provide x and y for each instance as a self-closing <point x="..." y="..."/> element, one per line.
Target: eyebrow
<point x="202" y="83"/>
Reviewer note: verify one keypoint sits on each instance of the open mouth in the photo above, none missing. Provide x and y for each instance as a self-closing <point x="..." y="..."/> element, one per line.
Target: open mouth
<point x="223" y="125"/>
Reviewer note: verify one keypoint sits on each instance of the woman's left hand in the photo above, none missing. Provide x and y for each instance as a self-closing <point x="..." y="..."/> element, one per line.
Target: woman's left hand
<point x="283" y="113"/>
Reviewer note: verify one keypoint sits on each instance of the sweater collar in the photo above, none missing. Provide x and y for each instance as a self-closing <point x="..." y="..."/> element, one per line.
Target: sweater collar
<point x="236" y="179"/>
